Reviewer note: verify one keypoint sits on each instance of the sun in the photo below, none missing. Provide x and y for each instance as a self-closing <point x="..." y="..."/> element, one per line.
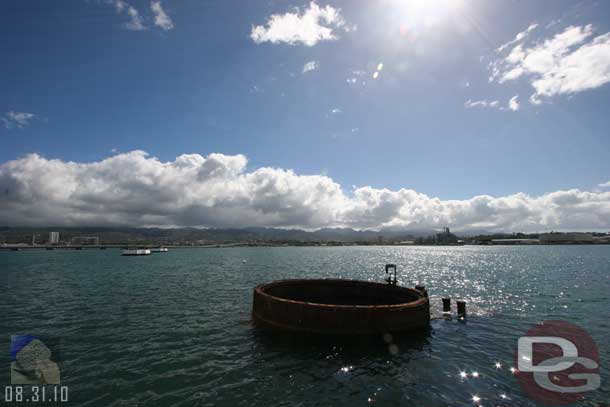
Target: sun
<point x="420" y="14"/>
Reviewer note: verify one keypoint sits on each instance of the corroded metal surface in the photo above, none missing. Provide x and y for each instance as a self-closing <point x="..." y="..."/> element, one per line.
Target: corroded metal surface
<point x="333" y="306"/>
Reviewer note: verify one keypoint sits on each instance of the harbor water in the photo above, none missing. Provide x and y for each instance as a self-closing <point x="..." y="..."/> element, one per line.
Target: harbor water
<point x="174" y="329"/>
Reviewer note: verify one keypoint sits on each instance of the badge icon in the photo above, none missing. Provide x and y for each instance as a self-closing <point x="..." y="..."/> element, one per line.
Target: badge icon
<point x="33" y="361"/>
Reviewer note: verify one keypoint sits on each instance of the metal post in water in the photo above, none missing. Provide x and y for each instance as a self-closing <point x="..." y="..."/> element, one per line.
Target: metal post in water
<point x="422" y="288"/>
<point x="390" y="270"/>
<point x="446" y="304"/>
<point x="461" y="306"/>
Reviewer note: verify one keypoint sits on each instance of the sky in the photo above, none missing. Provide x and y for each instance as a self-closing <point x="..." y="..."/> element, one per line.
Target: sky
<point x="363" y="113"/>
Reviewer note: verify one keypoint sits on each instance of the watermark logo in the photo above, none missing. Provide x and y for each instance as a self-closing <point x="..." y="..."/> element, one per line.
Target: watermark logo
<point x="557" y="363"/>
<point x="34" y="360"/>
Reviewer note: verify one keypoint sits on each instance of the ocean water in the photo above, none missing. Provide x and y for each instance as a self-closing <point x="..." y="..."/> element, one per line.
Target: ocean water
<point x="174" y="329"/>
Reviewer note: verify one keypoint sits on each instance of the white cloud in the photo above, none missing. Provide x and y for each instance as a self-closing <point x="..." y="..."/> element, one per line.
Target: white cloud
<point x="605" y="185"/>
<point x="217" y="191"/>
<point x="469" y="104"/>
<point x="475" y="103"/>
<point x="535" y="100"/>
<point x="161" y="18"/>
<point x="17" y="119"/>
<point x="308" y="28"/>
<point x="311" y="66"/>
<point x="136" y="22"/>
<point x="519" y="37"/>
<point x="572" y="61"/>
<point x="513" y="103"/>
<point x="120" y="5"/>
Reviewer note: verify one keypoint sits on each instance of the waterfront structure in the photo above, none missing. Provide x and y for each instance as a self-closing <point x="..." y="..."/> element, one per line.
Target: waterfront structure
<point x="445" y="237"/>
<point x="566" y="238"/>
<point x="514" y="241"/>
<point x="340" y="307"/>
<point x="601" y="239"/>
<point x="54" y="238"/>
<point x="85" y="240"/>
<point x="405" y="243"/>
<point x="136" y="252"/>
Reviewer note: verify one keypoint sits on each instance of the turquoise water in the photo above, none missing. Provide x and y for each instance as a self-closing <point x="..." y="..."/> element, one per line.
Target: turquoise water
<point x="174" y="329"/>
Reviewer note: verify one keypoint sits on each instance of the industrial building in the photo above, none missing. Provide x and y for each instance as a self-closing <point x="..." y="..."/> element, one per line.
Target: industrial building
<point x="565" y="238"/>
<point x="85" y="240"/>
<point x="514" y="241"/>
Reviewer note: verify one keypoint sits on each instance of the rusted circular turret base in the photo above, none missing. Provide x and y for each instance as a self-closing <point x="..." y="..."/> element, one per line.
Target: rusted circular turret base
<point x="333" y="306"/>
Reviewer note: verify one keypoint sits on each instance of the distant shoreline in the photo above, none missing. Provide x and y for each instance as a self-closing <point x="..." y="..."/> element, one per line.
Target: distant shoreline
<point x="75" y="237"/>
<point x="24" y="247"/>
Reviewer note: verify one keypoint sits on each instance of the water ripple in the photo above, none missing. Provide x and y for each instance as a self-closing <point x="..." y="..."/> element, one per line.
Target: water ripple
<point x="174" y="329"/>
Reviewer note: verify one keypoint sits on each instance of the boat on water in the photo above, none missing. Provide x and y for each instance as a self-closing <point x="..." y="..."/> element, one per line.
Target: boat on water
<point x="159" y="250"/>
<point x="136" y="252"/>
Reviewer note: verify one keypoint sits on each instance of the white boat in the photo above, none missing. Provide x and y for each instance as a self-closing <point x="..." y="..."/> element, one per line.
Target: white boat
<point x="136" y="252"/>
<point x="159" y="250"/>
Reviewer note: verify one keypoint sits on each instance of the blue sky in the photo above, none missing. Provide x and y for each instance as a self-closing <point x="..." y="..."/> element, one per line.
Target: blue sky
<point x="85" y="80"/>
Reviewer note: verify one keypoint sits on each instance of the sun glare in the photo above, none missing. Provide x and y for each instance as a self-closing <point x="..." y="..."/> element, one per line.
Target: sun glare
<point x="419" y="14"/>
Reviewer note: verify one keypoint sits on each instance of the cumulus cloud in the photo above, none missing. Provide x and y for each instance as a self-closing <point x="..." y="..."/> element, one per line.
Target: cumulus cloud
<point x="17" y="119"/>
<point x="314" y="24"/>
<point x="162" y="20"/>
<point x="572" y="61"/>
<point x="217" y="191"/>
<point x="605" y="185"/>
<point x="310" y="66"/>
